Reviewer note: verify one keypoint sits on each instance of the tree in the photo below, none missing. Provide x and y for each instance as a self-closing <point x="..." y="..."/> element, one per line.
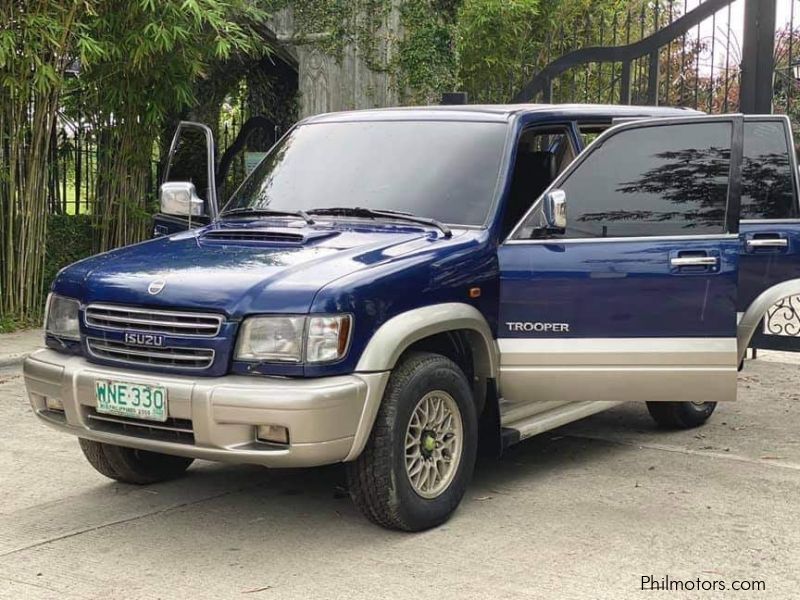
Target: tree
<point x="496" y="44"/>
<point x="36" y="41"/>
<point x="140" y="61"/>
<point x="144" y="60"/>
<point x="502" y="44"/>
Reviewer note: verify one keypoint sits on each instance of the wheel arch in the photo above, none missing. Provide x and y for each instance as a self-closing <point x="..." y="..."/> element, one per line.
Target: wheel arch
<point x="402" y="332"/>
<point x="399" y="333"/>
<point x="758" y="308"/>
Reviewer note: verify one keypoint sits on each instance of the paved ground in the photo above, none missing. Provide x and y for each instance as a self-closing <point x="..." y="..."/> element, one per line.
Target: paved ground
<point x="582" y="512"/>
<point x="15" y="346"/>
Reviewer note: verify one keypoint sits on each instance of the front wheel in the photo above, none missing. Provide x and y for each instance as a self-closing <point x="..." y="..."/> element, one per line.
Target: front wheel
<point x="680" y="415"/>
<point x="129" y="465"/>
<point x="420" y="456"/>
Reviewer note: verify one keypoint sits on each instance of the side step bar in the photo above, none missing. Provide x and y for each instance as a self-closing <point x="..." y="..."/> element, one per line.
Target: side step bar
<point x="541" y="422"/>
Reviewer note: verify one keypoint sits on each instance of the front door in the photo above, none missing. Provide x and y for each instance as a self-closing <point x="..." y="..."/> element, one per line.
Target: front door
<point x="191" y="159"/>
<point x="636" y="298"/>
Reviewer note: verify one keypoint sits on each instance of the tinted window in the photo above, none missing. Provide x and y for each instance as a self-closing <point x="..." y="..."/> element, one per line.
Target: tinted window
<point x="446" y="170"/>
<point x="766" y="172"/>
<point x="662" y="180"/>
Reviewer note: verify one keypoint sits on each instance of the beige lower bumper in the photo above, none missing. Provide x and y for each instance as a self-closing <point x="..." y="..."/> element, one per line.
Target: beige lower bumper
<point x="324" y="416"/>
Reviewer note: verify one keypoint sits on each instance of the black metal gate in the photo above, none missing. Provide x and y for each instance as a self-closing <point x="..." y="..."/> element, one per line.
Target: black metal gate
<point x="715" y="55"/>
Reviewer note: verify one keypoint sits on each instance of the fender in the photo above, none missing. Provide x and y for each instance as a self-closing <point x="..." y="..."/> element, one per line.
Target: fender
<point x="398" y="333"/>
<point x="758" y="308"/>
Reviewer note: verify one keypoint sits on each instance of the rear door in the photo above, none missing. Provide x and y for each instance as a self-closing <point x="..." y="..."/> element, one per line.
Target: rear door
<point x="191" y="159"/>
<point x="770" y="227"/>
<point x="636" y="298"/>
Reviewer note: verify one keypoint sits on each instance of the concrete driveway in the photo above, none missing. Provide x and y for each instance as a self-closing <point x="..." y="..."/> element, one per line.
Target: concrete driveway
<point x="582" y="512"/>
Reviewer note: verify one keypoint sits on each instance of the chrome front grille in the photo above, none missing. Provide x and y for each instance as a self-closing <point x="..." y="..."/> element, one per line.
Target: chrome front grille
<point x="173" y="357"/>
<point x="125" y="318"/>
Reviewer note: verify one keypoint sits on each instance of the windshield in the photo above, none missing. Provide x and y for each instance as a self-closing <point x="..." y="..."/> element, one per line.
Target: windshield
<point x="444" y="170"/>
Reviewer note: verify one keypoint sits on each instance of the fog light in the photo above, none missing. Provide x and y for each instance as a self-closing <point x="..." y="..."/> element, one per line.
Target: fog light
<point x="54" y="404"/>
<point x="272" y="433"/>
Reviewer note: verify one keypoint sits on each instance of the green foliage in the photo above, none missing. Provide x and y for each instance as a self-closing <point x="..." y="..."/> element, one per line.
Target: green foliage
<point x="488" y="48"/>
<point x="9" y="323"/>
<point x="419" y="59"/>
<point x="142" y="63"/>
<point x="503" y="43"/>
<point x="35" y="42"/>
<point x="426" y="59"/>
<point x="69" y="239"/>
<point x="146" y="56"/>
<point x="497" y="41"/>
<point x="332" y="25"/>
<point x="328" y="24"/>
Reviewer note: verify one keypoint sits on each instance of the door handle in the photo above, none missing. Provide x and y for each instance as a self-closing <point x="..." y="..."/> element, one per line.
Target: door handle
<point x="768" y="243"/>
<point x="694" y="261"/>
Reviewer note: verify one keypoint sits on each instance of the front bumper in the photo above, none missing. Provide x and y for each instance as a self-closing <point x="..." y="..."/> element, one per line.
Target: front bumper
<point x="214" y="418"/>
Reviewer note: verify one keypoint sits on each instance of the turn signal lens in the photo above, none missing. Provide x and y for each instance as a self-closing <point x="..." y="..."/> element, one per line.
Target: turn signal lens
<point x="328" y="338"/>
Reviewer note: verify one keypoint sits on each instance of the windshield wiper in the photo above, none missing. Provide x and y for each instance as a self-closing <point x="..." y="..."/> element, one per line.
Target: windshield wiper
<point x="255" y="212"/>
<point x="371" y="213"/>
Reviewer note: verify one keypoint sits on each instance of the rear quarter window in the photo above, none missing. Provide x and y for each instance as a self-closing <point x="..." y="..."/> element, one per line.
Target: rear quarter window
<point x="767" y="182"/>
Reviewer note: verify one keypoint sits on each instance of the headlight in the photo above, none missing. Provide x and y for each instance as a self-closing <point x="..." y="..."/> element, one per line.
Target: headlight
<point x="271" y="338"/>
<point x="327" y="338"/>
<point x="282" y="339"/>
<point x="61" y="317"/>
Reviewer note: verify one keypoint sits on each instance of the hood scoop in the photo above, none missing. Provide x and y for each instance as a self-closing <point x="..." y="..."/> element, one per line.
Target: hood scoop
<point x="271" y="235"/>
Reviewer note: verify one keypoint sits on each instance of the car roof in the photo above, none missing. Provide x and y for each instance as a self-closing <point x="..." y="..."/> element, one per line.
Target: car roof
<point x="502" y="112"/>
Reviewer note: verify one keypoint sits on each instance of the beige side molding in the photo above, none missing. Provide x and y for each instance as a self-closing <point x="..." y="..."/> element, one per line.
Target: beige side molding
<point x="759" y="307"/>
<point x="398" y="333"/>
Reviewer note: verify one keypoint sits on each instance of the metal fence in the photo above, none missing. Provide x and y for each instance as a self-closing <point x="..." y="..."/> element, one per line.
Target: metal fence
<point x="74" y="163"/>
<point x="73" y="170"/>
<point x="712" y="55"/>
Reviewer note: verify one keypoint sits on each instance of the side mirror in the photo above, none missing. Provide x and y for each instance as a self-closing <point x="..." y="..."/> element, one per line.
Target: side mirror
<point x="180" y="198"/>
<point x="554" y="207"/>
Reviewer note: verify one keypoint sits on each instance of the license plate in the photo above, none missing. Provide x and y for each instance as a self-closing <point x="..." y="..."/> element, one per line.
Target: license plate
<point x="133" y="400"/>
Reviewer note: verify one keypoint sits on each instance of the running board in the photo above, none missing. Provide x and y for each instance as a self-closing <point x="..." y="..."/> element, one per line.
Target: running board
<point x="541" y="422"/>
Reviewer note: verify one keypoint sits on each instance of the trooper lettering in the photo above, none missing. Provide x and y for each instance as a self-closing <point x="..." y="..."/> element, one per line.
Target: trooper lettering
<point x="529" y="326"/>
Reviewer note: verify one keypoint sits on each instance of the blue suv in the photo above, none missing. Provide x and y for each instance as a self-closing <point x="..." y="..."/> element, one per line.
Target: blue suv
<point x="388" y="288"/>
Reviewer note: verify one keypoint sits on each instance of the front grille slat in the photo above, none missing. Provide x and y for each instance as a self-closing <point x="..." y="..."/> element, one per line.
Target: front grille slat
<point x="172" y="357"/>
<point x="132" y="322"/>
<point x="123" y="318"/>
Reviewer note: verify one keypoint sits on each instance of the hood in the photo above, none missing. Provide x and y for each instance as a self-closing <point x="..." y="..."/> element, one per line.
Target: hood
<point x="237" y="267"/>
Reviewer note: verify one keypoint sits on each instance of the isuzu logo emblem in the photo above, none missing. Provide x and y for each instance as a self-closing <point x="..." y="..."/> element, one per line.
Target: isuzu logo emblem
<point x="156" y="286"/>
<point x="144" y="339"/>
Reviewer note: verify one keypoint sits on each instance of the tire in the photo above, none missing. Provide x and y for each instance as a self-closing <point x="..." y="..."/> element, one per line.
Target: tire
<point x="379" y="480"/>
<point x="680" y="415"/>
<point x="129" y="465"/>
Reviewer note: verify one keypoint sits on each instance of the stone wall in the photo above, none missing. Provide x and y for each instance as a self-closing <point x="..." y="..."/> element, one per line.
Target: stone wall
<point x="327" y="83"/>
